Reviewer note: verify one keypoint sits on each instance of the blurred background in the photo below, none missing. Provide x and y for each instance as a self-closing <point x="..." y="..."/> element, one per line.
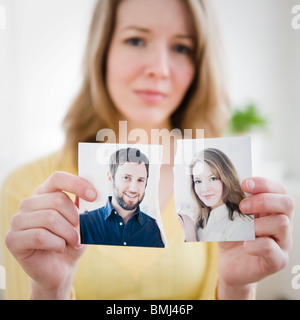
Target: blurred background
<point x="41" y="49"/>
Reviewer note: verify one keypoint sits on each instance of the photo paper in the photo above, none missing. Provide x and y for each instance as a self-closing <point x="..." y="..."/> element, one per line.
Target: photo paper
<point x="126" y="212"/>
<point x="207" y="185"/>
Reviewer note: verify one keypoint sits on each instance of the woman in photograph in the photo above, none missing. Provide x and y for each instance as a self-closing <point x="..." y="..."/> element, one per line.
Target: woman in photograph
<point x="157" y="65"/>
<point x="217" y="191"/>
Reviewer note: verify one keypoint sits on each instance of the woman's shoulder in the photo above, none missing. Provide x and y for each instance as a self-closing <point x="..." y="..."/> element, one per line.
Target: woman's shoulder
<point x="239" y="218"/>
<point x="241" y="228"/>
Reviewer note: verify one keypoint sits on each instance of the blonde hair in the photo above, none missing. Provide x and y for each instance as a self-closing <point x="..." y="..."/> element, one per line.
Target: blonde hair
<point x="223" y="169"/>
<point x="204" y="106"/>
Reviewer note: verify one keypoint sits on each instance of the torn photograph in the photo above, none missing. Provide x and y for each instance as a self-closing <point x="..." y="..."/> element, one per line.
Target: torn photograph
<point x="207" y="186"/>
<point x="126" y="212"/>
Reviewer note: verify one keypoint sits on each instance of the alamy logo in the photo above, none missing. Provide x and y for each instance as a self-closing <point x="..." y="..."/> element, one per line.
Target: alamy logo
<point x="296" y="278"/>
<point x="2" y="17"/>
<point x="2" y="278"/>
<point x="296" y="17"/>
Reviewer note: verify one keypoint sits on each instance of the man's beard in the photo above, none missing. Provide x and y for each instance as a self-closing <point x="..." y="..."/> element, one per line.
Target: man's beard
<point x="126" y="205"/>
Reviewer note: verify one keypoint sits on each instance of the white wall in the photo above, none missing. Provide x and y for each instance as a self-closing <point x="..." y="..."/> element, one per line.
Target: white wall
<point x="264" y="57"/>
<point x="40" y="61"/>
<point x="263" y="51"/>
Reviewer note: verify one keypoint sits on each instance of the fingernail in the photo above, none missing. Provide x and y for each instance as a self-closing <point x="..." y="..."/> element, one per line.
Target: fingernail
<point x="250" y="184"/>
<point x="246" y="205"/>
<point x="78" y="244"/>
<point x="90" y="193"/>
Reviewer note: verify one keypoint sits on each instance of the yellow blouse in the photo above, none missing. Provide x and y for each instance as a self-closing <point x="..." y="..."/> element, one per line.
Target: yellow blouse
<point x="181" y="271"/>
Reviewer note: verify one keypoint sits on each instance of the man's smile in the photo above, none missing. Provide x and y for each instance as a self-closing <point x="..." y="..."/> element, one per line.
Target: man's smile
<point x="131" y="196"/>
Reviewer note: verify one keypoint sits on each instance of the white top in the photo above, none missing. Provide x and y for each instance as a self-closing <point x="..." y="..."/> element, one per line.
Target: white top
<point x="221" y="228"/>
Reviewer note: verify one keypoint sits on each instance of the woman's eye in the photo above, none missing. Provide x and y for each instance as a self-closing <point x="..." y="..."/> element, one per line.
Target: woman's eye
<point x="197" y="181"/>
<point x="182" y="49"/>
<point x="213" y="179"/>
<point x="137" y="42"/>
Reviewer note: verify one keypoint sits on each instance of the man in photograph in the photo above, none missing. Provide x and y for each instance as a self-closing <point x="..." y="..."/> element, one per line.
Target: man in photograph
<point x="121" y="222"/>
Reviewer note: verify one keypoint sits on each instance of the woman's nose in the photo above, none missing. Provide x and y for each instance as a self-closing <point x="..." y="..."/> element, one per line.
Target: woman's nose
<point x="159" y="64"/>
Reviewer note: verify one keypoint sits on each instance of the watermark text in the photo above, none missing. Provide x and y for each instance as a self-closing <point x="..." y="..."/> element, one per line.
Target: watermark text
<point x="296" y="278"/>
<point x="2" y="17"/>
<point x="296" y="17"/>
<point x="2" y="278"/>
<point x="164" y="137"/>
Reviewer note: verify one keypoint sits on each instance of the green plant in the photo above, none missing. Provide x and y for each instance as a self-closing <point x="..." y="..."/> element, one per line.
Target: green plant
<point x="246" y="119"/>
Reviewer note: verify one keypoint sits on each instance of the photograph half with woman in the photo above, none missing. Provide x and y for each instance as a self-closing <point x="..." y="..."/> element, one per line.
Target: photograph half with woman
<point x="157" y="65"/>
<point x="217" y="191"/>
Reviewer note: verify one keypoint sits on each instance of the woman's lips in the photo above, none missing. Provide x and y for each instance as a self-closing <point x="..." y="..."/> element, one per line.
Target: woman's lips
<point x="208" y="196"/>
<point x="150" y="96"/>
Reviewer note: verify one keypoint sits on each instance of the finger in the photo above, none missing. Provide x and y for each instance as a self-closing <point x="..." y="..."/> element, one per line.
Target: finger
<point x="77" y="202"/>
<point x="63" y="181"/>
<point x="268" y="203"/>
<point x="179" y="217"/>
<point x="278" y="227"/>
<point x="22" y="244"/>
<point x="273" y="259"/>
<point x="185" y="219"/>
<point x="58" y="201"/>
<point x="50" y="220"/>
<point x="262" y="185"/>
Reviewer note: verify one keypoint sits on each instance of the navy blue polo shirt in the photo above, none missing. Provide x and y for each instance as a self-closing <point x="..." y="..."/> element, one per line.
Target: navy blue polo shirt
<point x="105" y="226"/>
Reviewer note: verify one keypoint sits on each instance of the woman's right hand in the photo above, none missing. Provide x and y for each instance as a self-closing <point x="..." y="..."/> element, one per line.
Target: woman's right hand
<point x="188" y="227"/>
<point x="44" y="236"/>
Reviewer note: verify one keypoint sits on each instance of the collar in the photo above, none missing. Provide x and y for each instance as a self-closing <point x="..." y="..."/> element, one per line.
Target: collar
<point x="219" y="213"/>
<point x="109" y="210"/>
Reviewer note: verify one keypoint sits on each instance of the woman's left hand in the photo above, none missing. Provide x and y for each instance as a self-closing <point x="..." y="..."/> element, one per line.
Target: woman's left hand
<point x="241" y="264"/>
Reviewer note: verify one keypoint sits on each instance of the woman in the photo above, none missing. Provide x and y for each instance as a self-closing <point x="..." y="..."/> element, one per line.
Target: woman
<point x="216" y="189"/>
<point x="155" y="71"/>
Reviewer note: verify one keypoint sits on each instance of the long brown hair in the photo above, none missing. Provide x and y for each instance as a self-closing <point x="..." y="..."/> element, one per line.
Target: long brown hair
<point x="204" y="106"/>
<point x="223" y="169"/>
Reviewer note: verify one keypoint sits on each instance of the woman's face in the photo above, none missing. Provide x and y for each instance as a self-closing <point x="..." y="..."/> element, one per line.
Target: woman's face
<point x="150" y="65"/>
<point x="207" y="186"/>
